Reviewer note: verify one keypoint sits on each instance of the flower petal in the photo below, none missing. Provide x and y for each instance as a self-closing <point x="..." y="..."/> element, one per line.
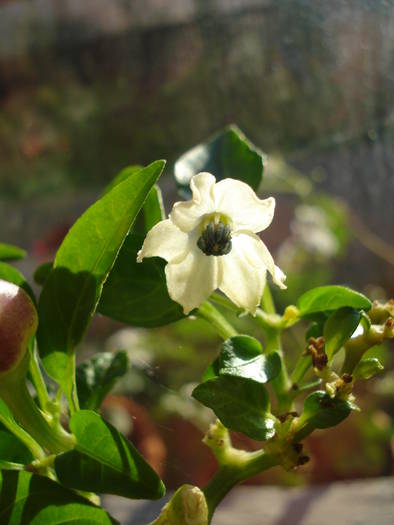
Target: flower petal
<point x="191" y="281"/>
<point x="164" y="240"/>
<point x="256" y="252"/>
<point x="238" y="201"/>
<point x="241" y="281"/>
<point x="187" y="215"/>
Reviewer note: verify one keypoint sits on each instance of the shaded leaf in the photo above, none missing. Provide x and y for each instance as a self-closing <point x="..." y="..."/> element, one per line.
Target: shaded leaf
<point x="28" y="499"/>
<point x="241" y="404"/>
<point x="12" y="449"/>
<point x="136" y="293"/>
<point x="41" y="272"/>
<point x="227" y="154"/>
<point x="105" y="461"/>
<point x="96" y="377"/>
<point x="338" y="329"/>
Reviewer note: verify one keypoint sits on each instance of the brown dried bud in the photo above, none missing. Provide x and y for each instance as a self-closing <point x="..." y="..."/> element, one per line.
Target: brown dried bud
<point x="316" y="348"/>
<point x="18" y="322"/>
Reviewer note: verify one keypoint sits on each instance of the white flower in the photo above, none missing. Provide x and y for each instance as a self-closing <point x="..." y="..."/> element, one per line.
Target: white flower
<point x="210" y="242"/>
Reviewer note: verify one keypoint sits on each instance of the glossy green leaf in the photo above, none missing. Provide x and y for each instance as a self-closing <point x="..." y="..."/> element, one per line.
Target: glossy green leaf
<point x="136" y="293"/>
<point x="106" y="462"/>
<point x="12" y="275"/>
<point x="82" y="264"/>
<point x="11" y="449"/>
<point x="96" y="377"/>
<point x="241" y="404"/>
<point x="41" y="272"/>
<point x="28" y="499"/>
<point x="328" y="298"/>
<point x="338" y="329"/>
<point x="122" y="176"/>
<point x="212" y="371"/>
<point x="321" y="411"/>
<point x="8" y="252"/>
<point x="227" y="154"/>
<point x="241" y="356"/>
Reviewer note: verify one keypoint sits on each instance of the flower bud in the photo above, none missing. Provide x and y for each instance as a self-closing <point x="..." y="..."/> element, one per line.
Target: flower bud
<point x="18" y="323"/>
<point x="187" y="507"/>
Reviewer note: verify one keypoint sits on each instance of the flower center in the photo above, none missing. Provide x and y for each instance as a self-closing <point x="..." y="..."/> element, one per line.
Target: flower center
<point x="215" y="238"/>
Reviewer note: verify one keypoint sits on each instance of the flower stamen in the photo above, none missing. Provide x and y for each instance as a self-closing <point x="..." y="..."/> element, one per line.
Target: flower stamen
<point x="215" y="239"/>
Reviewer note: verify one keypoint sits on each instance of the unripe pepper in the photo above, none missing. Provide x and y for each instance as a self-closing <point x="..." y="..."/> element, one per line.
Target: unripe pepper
<point x="18" y="323"/>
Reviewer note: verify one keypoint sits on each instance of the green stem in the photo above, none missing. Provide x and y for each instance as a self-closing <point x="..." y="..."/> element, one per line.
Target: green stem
<point x="38" y="380"/>
<point x="301" y="368"/>
<point x="44" y="429"/>
<point x="23" y="436"/>
<point x="228" y="476"/>
<point x="209" y="313"/>
<point x="355" y="348"/>
<point x="281" y="383"/>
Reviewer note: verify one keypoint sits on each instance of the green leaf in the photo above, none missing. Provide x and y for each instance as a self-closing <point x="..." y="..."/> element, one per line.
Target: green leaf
<point x="227" y="154"/>
<point x="242" y="356"/>
<point x="241" y="404"/>
<point x="136" y="293"/>
<point x="12" y="275"/>
<point x="96" y="377"/>
<point x="41" y="272"/>
<point x="106" y="462"/>
<point x="8" y="252"/>
<point x="153" y="208"/>
<point x="82" y="264"/>
<point x="338" y="329"/>
<point x="28" y="499"/>
<point x="327" y="298"/>
<point x="12" y="449"/>
<point x="321" y="411"/>
<point x="122" y="176"/>
<point x="367" y="368"/>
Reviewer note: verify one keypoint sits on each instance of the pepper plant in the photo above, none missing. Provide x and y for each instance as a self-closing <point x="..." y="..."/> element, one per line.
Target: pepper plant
<point x="58" y="454"/>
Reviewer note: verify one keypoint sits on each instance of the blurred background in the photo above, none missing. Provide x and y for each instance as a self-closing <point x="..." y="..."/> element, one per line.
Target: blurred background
<point x="87" y="88"/>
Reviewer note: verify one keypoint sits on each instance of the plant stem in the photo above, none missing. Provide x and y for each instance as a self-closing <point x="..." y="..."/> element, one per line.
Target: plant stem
<point x="228" y="476"/>
<point x="38" y="380"/>
<point x="44" y="429"/>
<point x="281" y="383"/>
<point x="23" y="436"/>
<point x="208" y="312"/>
